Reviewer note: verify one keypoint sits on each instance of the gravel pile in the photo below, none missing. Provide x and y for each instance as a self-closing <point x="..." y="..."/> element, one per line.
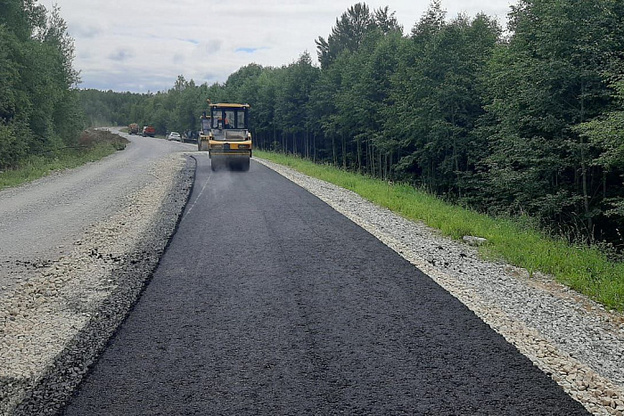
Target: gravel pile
<point x="53" y="324"/>
<point x="572" y="339"/>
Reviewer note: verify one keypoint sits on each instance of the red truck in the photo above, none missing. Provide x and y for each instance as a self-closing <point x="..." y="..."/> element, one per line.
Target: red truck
<point x="149" y="131"/>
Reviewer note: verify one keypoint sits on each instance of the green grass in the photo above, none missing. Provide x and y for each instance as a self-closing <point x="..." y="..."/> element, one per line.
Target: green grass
<point x="36" y="167"/>
<point x="584" y="269"/>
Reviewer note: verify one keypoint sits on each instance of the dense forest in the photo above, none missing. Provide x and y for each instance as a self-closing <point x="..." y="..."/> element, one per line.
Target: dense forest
<point x="523" y="120"/>
<point x="39" y="108"/>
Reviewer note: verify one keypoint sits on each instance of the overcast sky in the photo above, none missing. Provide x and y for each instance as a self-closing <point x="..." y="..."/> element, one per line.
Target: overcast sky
<point x="143" y="45"/>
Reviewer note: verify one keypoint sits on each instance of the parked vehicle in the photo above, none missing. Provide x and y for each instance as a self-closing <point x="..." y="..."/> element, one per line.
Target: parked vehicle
<point x="174" y="135"/>
<point x="149" y="131"/>
<point x="133" y="128"/>
<point x="190" y="136"/>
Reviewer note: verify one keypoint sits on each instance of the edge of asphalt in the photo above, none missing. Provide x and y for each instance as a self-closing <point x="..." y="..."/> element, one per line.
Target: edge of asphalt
<point x="55" y="386"/>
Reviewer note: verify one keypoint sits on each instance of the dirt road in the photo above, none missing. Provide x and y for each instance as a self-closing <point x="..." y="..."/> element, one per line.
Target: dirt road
<point x="75" y="251"/>
<point x="40" y="222"/>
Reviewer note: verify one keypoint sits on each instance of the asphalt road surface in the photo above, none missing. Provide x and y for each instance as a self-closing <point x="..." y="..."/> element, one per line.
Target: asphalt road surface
<point x="269" y="302"/>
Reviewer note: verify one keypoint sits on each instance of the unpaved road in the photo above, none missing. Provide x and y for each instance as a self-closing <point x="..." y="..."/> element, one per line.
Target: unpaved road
<point x="76" y="250"/>
<point x="270" y="302"/>
<point x="40" y="222"/>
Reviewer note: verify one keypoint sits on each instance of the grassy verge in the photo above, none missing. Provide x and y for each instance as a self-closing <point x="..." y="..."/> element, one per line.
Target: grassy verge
<point x="94" y="146"/>
<point x="586" y="270"/>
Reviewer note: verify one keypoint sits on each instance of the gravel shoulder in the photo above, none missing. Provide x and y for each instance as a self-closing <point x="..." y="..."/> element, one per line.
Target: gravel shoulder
<point x="569" y="337"/>
<point x="61" y="303"/>
<point x="40" y="221"/>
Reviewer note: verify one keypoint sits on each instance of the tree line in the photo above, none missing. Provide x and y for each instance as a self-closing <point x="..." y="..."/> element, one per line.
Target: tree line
<point x="39" y="108"/>
<point x="523" y="121"/>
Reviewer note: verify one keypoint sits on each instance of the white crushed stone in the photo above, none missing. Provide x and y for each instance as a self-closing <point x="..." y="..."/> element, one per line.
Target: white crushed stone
<point x="55" y="301"/>
<point x="569" y="337"/>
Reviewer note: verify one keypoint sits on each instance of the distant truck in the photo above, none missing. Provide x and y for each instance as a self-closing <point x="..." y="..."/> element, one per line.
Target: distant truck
<point x="149" y="131"/>
<point x="133" y="128"/>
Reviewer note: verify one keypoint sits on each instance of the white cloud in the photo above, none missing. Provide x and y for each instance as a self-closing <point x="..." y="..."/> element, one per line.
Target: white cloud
<point x="141" y="45"/>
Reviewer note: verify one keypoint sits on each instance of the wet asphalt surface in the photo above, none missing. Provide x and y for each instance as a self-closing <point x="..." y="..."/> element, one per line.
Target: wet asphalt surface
<point x="270" y="302"/>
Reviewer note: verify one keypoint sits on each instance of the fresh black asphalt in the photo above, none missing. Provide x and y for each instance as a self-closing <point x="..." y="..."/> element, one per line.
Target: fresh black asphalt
<point x="269" y="302"/>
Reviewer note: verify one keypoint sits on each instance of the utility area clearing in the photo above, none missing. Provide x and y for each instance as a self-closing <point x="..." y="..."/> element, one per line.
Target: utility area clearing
<point x="225" y="135"/>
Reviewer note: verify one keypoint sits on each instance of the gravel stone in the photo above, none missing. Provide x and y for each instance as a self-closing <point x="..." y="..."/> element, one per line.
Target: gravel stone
<point x="57" y="320"/>
<point x="569" y="337"/>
